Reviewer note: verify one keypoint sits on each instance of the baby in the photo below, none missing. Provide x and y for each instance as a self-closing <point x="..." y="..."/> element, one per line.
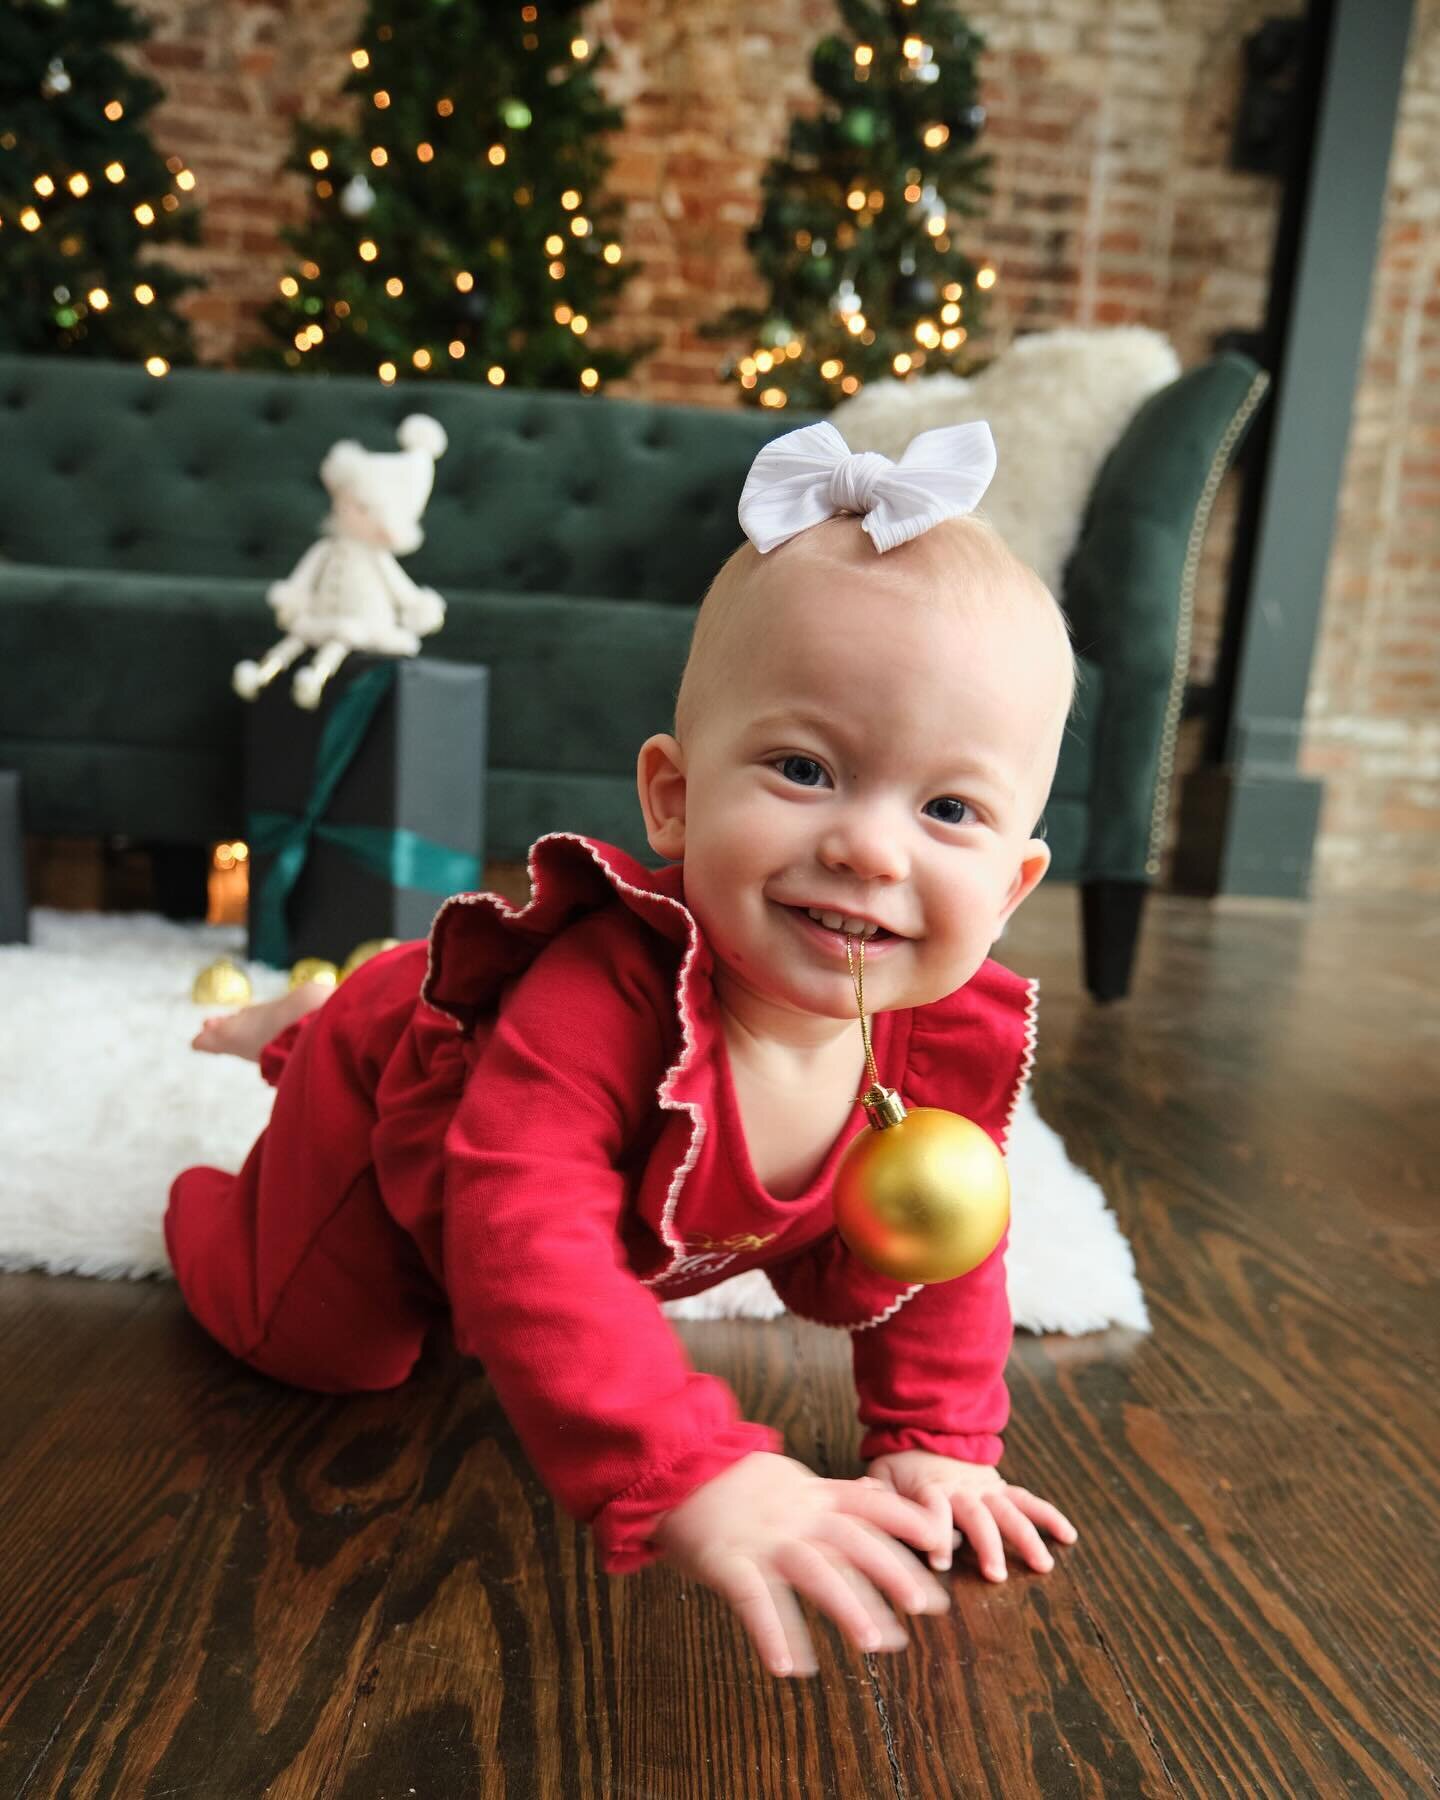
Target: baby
<point x="540" y="1123"/>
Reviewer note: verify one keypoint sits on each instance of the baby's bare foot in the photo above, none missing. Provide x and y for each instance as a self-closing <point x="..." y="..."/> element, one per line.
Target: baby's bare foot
<point x="247" y="1032"/>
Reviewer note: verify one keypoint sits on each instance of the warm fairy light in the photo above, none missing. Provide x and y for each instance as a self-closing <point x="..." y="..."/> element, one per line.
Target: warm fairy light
<point x="523" y="196"/>
<point x="457" y="349"/>
<point x="579" y="324"/>
<point x="310" y="270"/>
<point x="794" y="347"/>
<point x="912" y="193"/>
<point x="772" y="397"/>
<point x="289" y="286"/>
<point x="394" y="287"/>
<point x="564" y="314"/>
<point x="386" y="372"/>
<point x="747" y="365"/>
<point x="360" y="58"/>
<point x="580" y="225"/>
<point x="381" y="98"/>
<point x="864" y="56"/>
<point x="764" y="361"/>
<point x="145" y="213"/>
<point x="302" y="340"/>
<point x="169" y="202"/>
<point x="98" y="298"/>
<point x="324" y="189"/>
<point x="319" y="159"/>
<point x="464" y="281"/>
<point x="876" y="200"/>
<point x="935" y="226"/>
<point x="342" y="309"/>
<point x="901" y="363"/>
<point x="570" y="199"/>
<point x="579" y="49"/>
<point x="44" y="186"/>
<point x="529" y="14"/>
<point x="156" y="365"/>
<point x="496" y="154"/>
<point x="911" y="48"/>
<point x="445" y="108"/>
<point x="379" y="156"/>
<point x="748" y="381"/>
<point x="144" y="293"/>
<point x="934" y="136"/>
<point x="315" y="333"/>
<point x="421" y="358"/>
<point x="952" y="340"/>
<point x="495" y="375"/>
<point x="557" y="271"/>
<point x="79" y="185"/>
<point x="986" y="278"/>
<point x="613" y="253"/>
<point x="856" y="323"/>
<point x="953" y="290"/>
<point x="589" y="378"/>
<point x="114" y="110"/>
<point x="855" y="199"/>
<point x="554" y="244"/>
<point x="115" y="171"/>
<point x="425" y="152"/>
<point x="174" y="164"/>
<point x="926" y="334"/>
<point x="185" y="179"/>
<point x="831" y="367"/>
<point x="369" y="249"/>
<point x="949" y="313"/>
<point x="850" y="384"/>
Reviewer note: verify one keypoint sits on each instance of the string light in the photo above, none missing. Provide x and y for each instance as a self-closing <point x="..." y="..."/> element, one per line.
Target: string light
<point x="445" y="108"/>
<point x="360" y="58"/>
<point x="114" y="110"/>
<point x="589" y="378"/>
<point x="44" y="186"/>
<point x="773" y="397"/>
<point x="394" y="287"/>
<point x="421" y="358"/>
<point x="29" y="218"/>
<point x="115" y="171"/>
<point x="612" y="253"/>
<point x="156" y="365"/>
<point x="425" y="152"/>
<point x="145" y="213"/>
<point x="554" y="244"/>
<point x="934" y="136"/>
<point x="302" y="340"/>
<point x="310" y="270"/>
<point x="564" y="314"/>
<point x="369" y="250"/>
<point x="864" y="56"/>
<point x="98" y="298"/>
<point x="289" y="286"/>
<point x="381" y="98"/>
<point x="185" y="179"/>
<point x="579" y="324"/>
<point x="457" y="349"/>
<point x="387" y="372"/>
<point x="901" y="363"/>
<point x="144" y="293"/>
<point x="169" y="202"/>
<point x="831" y="367"/>
<point x="319" y="159"/>
<point x="379" y="156"/>
<point x="570" y="199"/>
<point x="557" y="271"/>
<point x="464" y="280"/>
<point x="579" y="49"/>
<point x="986" y="278"/>
<point x="495" y="375"/>
<point x="79" y="185"/>
<point x="496" y="154"/>
<point x="580" y="225"/>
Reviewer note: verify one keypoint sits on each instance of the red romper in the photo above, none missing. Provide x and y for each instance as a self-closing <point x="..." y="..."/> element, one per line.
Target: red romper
<point x="526" y="1127"/>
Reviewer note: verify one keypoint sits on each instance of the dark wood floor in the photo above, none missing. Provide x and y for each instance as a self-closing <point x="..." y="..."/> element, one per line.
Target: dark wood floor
<point x="213" y="1586"/>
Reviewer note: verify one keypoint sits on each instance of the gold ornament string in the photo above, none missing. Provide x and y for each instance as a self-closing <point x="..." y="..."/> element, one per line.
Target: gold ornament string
<point x="858" y="982"/>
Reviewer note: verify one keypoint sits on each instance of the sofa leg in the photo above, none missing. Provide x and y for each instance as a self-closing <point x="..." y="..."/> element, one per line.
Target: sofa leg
<point x="1110" y="912"/>
<point x="181" y="878"/>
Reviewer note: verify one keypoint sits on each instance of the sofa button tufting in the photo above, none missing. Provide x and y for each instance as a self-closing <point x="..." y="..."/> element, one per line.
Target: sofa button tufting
<point x="276" y="412"/>
<point x="15" y="399"/>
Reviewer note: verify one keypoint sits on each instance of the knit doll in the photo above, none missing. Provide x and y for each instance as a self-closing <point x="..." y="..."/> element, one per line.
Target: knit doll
<point x="348" y="592"/>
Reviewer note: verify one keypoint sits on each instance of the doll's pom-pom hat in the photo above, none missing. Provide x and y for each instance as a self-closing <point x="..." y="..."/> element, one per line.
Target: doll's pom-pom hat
<point x="393" y="484"/>
<point x="811" y="474"/>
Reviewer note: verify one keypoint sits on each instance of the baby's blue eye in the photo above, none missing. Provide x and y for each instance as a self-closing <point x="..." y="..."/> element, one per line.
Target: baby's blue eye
<point x="804" y="771"/>
<point x="950" y="818"/>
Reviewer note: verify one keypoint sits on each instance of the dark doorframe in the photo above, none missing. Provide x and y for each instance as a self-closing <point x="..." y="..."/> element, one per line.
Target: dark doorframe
<point x="1247" y="816"/>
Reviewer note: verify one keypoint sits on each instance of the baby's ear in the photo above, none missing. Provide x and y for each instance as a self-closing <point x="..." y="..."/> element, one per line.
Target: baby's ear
<point x="660" y="780"/>
<point x="1034" y="861"/>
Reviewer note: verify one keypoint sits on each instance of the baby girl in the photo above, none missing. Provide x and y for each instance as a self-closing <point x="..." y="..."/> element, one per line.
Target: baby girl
<point x="536" y="1125"/>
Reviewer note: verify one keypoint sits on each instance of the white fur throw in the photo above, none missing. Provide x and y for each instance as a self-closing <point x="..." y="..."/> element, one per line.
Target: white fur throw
<point x="1057" y="403"/>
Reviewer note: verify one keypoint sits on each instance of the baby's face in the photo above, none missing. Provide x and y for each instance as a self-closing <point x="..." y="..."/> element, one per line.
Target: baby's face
<point x="880" y="758"/>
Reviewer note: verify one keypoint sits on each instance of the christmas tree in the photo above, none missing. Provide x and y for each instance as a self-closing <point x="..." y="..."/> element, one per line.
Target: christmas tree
<point x="858" y="239"/>
<point x="460" y="231"/>
<point x="84" y="194"/>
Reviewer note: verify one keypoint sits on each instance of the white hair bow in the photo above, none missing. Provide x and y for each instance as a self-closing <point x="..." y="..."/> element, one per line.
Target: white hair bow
<point x="811" y="474"/>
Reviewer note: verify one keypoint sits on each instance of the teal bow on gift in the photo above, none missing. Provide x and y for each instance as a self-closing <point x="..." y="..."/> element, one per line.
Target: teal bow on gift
<point x="402" y="858"/>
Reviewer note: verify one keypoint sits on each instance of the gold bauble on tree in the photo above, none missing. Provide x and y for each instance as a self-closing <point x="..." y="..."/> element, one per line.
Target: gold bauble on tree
<point x="314" y="968"/>
<point x="363" y="952"/>
<point x="221" y="983"/>
<point x="923" y="1195"/>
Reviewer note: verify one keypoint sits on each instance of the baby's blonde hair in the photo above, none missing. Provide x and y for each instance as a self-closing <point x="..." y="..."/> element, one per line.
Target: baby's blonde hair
<point x="962" y="562"/>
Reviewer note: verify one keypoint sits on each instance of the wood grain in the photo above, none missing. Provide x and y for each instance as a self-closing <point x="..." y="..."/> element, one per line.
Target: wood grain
<point x="212" y="1585"/>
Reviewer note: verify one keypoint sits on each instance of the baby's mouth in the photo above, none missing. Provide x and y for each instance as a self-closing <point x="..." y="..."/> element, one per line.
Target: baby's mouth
<point x="842" y="925"/>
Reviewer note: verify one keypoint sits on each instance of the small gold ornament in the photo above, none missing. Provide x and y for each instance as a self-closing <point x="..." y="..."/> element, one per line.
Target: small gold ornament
<point x="363" y="952"/>
<point x="923" y="1195"/>
<point x="314" y="968"/>
<point x="223" y="983"/>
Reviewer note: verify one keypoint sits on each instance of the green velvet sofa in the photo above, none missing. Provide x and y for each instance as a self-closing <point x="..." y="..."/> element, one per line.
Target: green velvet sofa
<point x="572" y="537"/>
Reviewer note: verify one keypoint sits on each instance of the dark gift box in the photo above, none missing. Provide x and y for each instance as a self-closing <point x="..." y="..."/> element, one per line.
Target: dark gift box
<point x="366" y="813"/>
<point x="14" y="916"/>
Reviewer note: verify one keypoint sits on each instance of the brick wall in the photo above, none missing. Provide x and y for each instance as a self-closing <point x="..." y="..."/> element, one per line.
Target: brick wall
<point x="1110" y="123"/>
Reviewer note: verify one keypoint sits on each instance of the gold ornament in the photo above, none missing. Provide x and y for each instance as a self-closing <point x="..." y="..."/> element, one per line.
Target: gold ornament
<point x="223" y="983"/>
<point x="923" y="1195"/>
<point x="314" y="968"/>
<point x="363" y="952"/>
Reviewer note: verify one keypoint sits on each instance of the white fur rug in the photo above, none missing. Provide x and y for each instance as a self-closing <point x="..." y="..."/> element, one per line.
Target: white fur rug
<point x="102" y="1101"/>
<point x="1057" y="403"/>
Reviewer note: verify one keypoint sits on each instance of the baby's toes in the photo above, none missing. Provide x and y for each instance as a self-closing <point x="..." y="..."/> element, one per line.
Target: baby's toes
<point x="211" y="1035"/>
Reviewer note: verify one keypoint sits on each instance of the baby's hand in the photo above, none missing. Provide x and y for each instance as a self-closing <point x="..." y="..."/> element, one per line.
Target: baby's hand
<point x="768" y="1528"/>
<point x="981" y="1502"/>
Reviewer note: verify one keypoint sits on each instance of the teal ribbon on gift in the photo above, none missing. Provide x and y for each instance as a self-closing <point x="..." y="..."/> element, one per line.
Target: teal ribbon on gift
<point x="403" y="858"/>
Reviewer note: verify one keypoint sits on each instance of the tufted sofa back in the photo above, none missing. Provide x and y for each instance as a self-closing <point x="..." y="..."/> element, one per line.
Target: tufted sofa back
<point x="105" y="467"/>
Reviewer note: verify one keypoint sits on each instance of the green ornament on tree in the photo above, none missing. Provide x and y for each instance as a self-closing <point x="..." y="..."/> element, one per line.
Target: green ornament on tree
<point x="859" y="126"/>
